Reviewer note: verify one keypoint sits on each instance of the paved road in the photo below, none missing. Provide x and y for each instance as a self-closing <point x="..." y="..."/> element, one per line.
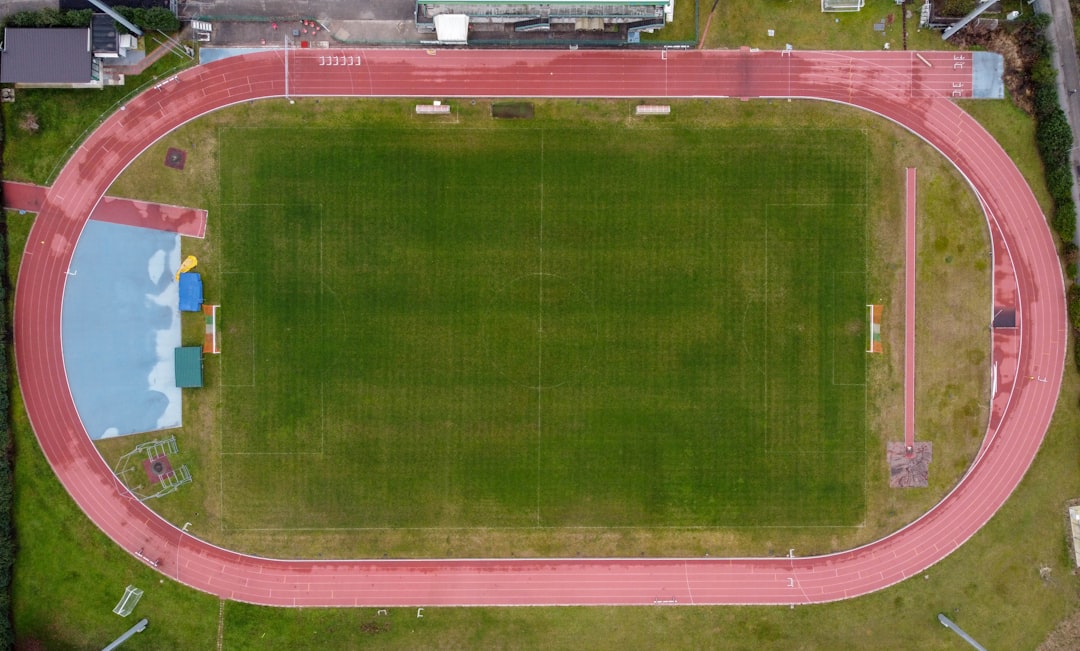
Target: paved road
<point x="8" y="7"/>
<point x="895" y="85"/>
<point x="324" y="10"/>
<point x="1064" y="39"/>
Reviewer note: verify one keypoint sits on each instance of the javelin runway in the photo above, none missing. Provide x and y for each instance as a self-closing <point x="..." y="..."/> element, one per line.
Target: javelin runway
<point x="1028" y="361"/>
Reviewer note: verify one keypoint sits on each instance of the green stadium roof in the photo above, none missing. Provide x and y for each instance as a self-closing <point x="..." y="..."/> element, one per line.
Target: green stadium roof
<point x="188" y="366"/>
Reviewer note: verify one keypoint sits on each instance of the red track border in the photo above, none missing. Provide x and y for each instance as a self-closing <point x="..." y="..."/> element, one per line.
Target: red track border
<point x="913" y="92"/>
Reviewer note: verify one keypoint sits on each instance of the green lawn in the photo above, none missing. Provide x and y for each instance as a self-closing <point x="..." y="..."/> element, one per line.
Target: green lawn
<point x="558" y="327"/>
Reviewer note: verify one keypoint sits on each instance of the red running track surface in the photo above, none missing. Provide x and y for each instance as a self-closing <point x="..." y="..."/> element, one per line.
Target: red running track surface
<point x="131" y="212"/>
<point x="895" y="85"/>
<point x="910" y="210"/>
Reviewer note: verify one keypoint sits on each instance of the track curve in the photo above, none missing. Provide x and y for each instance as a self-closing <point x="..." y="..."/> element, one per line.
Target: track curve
<point x="911" y="92"/>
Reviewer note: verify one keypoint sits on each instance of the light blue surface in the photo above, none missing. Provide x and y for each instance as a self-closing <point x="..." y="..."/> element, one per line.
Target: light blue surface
<point x="120" y="325"/>
<point x="987" y="77"/>
<point x="210" y="54"/>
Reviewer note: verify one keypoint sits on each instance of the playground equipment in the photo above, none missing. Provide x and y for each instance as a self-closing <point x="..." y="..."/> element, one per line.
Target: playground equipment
<point x="159" y="478"/>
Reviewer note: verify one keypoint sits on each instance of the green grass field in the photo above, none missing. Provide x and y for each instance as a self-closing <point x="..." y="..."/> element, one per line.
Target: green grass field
<point x="542" y="327"/>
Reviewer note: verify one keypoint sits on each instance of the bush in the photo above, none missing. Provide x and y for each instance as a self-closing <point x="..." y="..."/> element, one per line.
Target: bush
<point x="1072" y="302"/>
<point x="7" y="489"/>
<point x="1064" y="223"/>
<point x="50" y="17"/>
<point x="1053" y="136"/>
<point x="157" y="18"/>
<point x="1073" y="298"/>
<point x="7" y="486"/>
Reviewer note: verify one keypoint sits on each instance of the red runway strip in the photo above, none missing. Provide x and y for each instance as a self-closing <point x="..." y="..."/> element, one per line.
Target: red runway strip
<point x="162" y="217"/>
<point x="23" y="196"/>
<point x="909" y="311"/>
<point x="894" y="85"/>
<point x="131" y="212"/>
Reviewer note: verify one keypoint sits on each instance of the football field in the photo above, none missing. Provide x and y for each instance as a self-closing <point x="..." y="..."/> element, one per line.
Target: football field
<point x="522" y="327"/>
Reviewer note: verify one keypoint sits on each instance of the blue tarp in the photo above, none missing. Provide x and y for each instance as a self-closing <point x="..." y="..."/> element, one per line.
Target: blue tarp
<point x="190" y="292"/>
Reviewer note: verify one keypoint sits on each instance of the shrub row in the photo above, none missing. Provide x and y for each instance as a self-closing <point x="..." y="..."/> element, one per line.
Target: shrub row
<point x="49" y="17"/>
<point x="1052" y="132"/>
<point x="7" y="489"/>
<point x="158" y="18"/>
<point x="1073" y="300"/>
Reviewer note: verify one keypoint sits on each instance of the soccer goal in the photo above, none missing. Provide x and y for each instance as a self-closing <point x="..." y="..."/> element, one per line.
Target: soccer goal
<point x="128" y="601"/>
<point x="832" y="6"/>
<point x="211" y="343"/>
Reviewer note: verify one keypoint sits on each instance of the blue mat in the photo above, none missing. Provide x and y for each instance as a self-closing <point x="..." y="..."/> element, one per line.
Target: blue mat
<point x="190" y="292"/>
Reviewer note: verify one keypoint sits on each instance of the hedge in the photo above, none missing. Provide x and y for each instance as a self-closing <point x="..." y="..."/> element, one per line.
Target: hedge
<point x="158" y="18"/>
<point x="7" y="488"/>
<point x="49" y="18"/>
<point x="1073" y="302"/>
<point x="1053" y="136"/>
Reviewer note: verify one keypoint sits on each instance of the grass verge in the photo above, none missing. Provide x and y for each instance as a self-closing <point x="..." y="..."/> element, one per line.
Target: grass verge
<point x="64" y="117"/>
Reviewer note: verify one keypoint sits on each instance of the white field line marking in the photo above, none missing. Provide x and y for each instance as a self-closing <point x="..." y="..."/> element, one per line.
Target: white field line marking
<point x="832" y="342"/>
<point x="322" y="335"/>
<point x="765" y="363"/>
<point x="529" y="528"/>
<point x="288" y="453"/>
<point x="765" y="344"/>
<point x="866" y="293"/>
<point x="540" y="336"/>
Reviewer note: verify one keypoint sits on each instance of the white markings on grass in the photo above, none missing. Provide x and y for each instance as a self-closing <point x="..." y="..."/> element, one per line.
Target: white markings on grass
<point x="540" y="335"/>
<point x="250" y="383"/>
<point x="833" y="340"/>
<point x="826" y="338"/>
<point x="322" y="337"/>
<point x="765" y="342"/>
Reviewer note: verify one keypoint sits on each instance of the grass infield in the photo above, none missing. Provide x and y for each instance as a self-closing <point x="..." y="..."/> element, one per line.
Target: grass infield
<point x="542" y="327"/>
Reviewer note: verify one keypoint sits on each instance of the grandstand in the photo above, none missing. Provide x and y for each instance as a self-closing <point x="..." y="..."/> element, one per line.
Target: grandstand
<point x="515" y="19"/>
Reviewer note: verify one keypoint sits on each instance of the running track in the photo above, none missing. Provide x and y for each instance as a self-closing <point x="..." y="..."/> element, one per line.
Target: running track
<point x="893" y="84"/>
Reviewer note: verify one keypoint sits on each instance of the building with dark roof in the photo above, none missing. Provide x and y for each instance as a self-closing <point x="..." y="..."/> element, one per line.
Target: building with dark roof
<point x="456" y="21"/>
<point x="50" y="57"/>
<point x="59" y="57"/>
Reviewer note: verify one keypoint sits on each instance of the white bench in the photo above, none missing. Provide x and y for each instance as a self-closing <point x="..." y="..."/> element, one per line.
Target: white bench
<point x="432" y="109"/>
<point x="652" y="109"/>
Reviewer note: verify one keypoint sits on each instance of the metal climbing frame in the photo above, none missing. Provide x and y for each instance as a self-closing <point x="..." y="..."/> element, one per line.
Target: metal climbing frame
<point x="132" y="461"/>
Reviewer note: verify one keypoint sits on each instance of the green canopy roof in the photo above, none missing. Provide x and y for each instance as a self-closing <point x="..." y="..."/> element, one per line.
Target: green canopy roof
<point x="188" y="366"/>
